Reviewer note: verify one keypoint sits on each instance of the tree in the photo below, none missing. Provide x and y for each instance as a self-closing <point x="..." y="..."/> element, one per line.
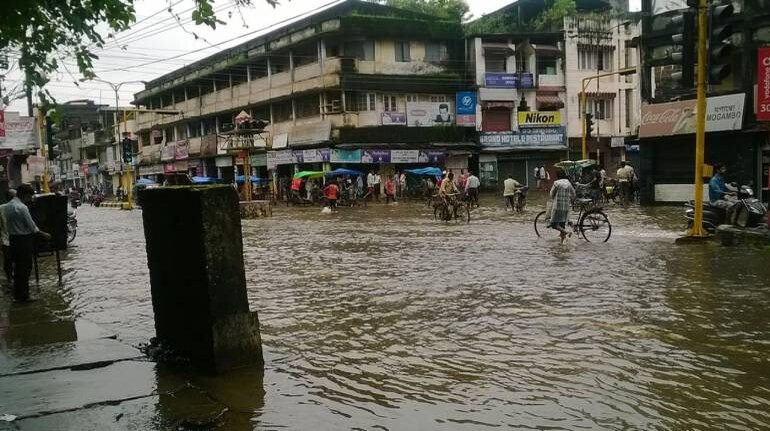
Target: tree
<point x="43" y="32"/>
<point x="553" y="17"/>
<point x="453" y="10"/>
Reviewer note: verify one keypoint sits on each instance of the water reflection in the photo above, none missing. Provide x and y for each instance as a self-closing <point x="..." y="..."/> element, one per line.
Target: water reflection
<point x="382" y="318"/>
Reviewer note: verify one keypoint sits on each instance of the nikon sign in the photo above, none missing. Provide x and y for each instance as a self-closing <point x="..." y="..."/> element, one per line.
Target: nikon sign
<point x="539" y="119"/>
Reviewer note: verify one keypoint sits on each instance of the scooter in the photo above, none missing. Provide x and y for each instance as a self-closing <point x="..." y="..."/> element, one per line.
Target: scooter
<point x="72" y="226"/>
<point x="746" y="211"/>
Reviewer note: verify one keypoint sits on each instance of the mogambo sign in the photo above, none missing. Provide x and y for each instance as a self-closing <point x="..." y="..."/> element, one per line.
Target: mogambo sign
<point x="539" y="118"/>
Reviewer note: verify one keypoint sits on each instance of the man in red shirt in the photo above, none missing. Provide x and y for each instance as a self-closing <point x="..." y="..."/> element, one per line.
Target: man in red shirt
<point x="332" y="193"/>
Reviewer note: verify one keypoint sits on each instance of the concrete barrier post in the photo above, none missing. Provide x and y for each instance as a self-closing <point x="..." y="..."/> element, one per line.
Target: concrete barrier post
<point x="197" y="279"/>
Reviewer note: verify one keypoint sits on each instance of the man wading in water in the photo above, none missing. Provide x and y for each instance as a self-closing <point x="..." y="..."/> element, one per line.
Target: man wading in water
<point x="561" y="194"/>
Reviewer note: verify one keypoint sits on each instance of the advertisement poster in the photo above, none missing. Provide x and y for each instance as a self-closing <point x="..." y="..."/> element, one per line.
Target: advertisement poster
<point x="763" y="84"/>
<point x="466" y="108"/>
<point x="404" y="156"/>
<point x="539" y="118"/>
<point x="297" y="156"/>
<point x="678" y="118"/>
<point x="345" y="156"/>
<point x="2" y="125"/>
<point x="315" y="156"/>
<point x="434" y="157"/>
<point x="182" y="150"/>
<point x="509" y="80"/>
<point x="276" y="158"/>
<point x="375" y="156"/>
<point x="429" y="114"/>
<point x="393" y="118"/>
<point x="20" y="133"/>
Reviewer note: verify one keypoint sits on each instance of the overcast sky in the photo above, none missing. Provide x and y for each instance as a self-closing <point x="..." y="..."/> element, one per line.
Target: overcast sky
<point x="157" y="36"/>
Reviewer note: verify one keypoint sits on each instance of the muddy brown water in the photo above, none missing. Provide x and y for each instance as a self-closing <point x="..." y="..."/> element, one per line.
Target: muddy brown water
<point x="382" y="318"/>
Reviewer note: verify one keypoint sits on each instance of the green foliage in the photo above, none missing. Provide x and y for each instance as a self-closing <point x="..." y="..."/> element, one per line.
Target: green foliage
<point x="553" y="17"/>
<point x="453" y="10"/>
<point x="501" y="22"/>
<point x="45" y="32"/>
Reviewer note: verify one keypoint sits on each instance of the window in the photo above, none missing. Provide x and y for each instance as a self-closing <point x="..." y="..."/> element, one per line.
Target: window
<point x="591" y="59"/>
<point x="305" y="54"/>
<point x="258" y="70"/>
<point x="629" y="106"/>
<point x="209" y="125"/>
<point x="332" y="48"/>
<point x="435" y="52"/>
<point x="439" y="98"/>
<point x="238" y="76"/>
<point x="282" y="112"/>
<point x="494" y="62"/>
<point x="207" y="86"/>
<point x="389" y="103"/>
<point x="359" y="49"/>
<point x="279" y="63"/>
<point x="168" y="134"/>
<point x="179" y="96"/>
<point x="194" y="129"/>
<point x="402" y="51"/>
<point x="360" y="101"/>
<point x="165" y="100"/>
<point x="261" y="112"/>
<point x="546" y="66"/>
<point x="601" y="109"/>
<point x="192" y="92"/>
<point x="411" y="98"/>
<point x="181" y="132"/>
<point x="307" y="106"/>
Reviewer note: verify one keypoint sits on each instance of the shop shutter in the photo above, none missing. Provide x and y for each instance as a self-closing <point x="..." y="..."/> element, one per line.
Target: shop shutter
<point x="496" y="120"/>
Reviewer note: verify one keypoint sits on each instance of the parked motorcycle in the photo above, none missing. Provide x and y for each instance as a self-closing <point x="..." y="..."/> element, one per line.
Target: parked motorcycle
<point x="746" y="211"/>
<point x="72" y="226"/>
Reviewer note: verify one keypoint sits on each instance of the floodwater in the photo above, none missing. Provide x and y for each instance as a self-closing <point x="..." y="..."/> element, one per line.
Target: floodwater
<point x="382" y="318"/>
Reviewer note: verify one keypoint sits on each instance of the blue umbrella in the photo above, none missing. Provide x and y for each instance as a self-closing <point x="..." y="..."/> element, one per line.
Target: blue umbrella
<point x="339" y="172"/>
<point x="254" y="179"/>
<point x="145" y="182"/>
<point x="205" y="180"/>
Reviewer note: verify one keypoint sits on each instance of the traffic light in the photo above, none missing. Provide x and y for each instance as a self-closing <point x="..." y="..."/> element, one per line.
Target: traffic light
<point x="720" y="48"/>
<point x="685" y="56"/>
<point x="128" y="154"/>
<point x="590" y="125"/>
<point x="51" y="141"/>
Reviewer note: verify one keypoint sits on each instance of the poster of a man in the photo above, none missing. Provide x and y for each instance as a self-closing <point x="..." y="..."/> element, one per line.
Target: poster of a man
<point x="366" y="157"/>
<point x="423" y="157"/>
<point x="443" y="116"/>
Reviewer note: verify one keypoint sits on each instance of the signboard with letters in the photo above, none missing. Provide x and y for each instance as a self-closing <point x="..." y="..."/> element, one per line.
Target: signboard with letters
<point x="345" y="156"/>
<point x="678" y="118"/>
<point x="509" y="80"/>
<point x="540" y="138"/>
<point x="315" y="156"/>
<point x="20" y="133"/>
<point x="466" y="108"/>
<point x="428" y="114"/>
<point x="763" y="84"/>
<point x="539" y="118"/>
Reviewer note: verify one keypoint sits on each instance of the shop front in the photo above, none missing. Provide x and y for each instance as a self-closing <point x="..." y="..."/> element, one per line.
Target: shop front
<point x="667" y="147"/>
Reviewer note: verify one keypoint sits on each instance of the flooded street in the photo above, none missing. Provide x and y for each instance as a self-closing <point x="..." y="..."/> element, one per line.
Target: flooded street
<point x="382" y="318"/>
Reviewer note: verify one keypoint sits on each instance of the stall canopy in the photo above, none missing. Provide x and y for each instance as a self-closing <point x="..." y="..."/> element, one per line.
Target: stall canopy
<point x="254" y="179"/>
<point x="205" y="180"/>
<point x="341" y="172"/>
<point x="425" y="172"/>
<point x="309" y="174"/>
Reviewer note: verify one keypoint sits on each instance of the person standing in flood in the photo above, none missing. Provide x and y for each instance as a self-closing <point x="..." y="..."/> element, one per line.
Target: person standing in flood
<point x="7" y="261"/>
<point x="390" y="190"/>
<point x="22" y="231"/>
<point x="561" y="194"/>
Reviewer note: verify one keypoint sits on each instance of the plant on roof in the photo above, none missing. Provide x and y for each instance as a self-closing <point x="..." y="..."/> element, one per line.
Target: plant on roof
<point x="453" y="10"/>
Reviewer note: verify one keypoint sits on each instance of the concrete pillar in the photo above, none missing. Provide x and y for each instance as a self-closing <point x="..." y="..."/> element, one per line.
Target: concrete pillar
<point x="197" y="280"/>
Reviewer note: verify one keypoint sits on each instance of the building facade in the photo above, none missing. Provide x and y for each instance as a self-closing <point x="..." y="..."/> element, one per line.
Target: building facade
<point x="357" y="85"/>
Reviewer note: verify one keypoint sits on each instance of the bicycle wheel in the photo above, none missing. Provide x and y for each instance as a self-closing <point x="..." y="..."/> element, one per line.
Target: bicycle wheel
<point x="462" y="213"/>
<point x="541" y="223"/>
<point x="595" y="226"/>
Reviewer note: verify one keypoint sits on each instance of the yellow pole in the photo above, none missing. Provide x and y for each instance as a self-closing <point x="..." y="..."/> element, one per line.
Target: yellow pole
<point x="700" y="125"/>
<point x="43" y="147"/>
<point x="583" y="118"/>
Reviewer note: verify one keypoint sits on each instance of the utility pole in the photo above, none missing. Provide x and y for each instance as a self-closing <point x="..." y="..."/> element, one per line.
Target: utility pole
<point x="125" y="176"/>
<point x="700" y="124"/>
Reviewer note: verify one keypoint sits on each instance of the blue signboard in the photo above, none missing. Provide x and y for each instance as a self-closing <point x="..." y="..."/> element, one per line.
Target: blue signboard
<point x="466" y="103"/>
<point x="509" y="80"/>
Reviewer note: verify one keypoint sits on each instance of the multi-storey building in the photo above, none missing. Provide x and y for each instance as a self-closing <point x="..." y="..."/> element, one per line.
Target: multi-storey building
<point x="530" y="83"/>
<point x="357" y="84"/>
<point x="735" y="133"/>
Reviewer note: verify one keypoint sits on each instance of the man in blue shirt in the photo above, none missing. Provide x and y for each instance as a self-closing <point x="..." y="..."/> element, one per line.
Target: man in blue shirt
<point x="717" y="188"/>
<point x="21" y="237"/>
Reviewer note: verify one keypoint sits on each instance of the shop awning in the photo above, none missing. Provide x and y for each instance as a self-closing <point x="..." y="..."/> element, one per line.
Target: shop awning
<point x="497" y="48"/>
<point x="600" y="95"/>
<point x="547" y="50"/>
<point x="309" y="174"/>
<point x="546" y="102"/>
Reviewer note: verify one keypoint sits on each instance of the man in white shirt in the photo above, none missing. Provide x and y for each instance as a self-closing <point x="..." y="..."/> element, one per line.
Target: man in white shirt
<point x="21" y="239"/>
<point x="509" y="191"/>
<point x="376" y="184"/>
<point x="472" y="184"/>
<point x="7" y="261"/>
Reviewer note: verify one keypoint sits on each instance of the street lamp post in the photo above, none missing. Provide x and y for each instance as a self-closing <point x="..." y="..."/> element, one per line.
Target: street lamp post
<point x="125" y="174"/>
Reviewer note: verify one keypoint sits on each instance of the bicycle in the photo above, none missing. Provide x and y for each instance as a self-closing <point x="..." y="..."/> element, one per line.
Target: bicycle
<point x="592" y="224"/>
<point x="459" y="210"/>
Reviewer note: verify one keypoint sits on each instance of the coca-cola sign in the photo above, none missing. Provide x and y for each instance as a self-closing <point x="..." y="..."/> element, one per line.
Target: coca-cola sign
<point x="678" y="118"/>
